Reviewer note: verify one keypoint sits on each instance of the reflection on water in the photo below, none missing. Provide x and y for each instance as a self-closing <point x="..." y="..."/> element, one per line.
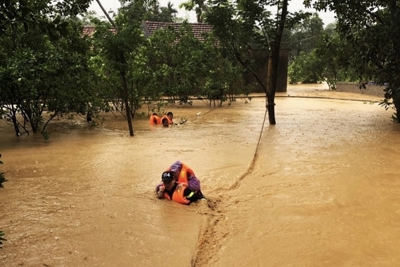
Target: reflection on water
<point x="323" y="190"/>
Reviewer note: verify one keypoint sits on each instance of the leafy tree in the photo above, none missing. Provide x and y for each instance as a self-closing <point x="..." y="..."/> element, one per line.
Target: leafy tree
<point x="44" y="68"/>
<point x="331" y="60"/>
<point x="373" y="29"/>
<point x="223" y="75"/>
<point x="177" y="65"/>
<point x="199" y="6"/>
<point x="118" y="45"/>
<point x="305" y="35"/>
<point x="339" y="63"/>
<point x="176" y="58"/>
<point x="192" y="58"/>
<point x="244" y="25"/>
<point x="307" y="68"/>
<point x="168" y="13"/>
<point x="48" y="15"/>
<point x="150" y="10"/>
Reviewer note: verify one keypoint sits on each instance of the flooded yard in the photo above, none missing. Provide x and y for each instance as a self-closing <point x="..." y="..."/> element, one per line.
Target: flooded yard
<point x="319" y="188"/>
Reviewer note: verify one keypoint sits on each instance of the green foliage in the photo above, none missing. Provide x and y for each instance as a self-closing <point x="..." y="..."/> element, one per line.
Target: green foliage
<point x="176" y="65"/>
<point x="332" y="59"/>
<point x="339" y="61"/>
<point x="238" y="33"/>
<point x="307" y="68"/>
<point x="47" y="15"/>
<point x="168" y="13"/>
<point x="51" y="70"/>
<point x="243" y="26"/>
<point x="44" y="69"/>
<point x="372" y="28"/>
<point x="46" y="135"/>
<point x="199" y="6"/>
<point x="304" y="36"/>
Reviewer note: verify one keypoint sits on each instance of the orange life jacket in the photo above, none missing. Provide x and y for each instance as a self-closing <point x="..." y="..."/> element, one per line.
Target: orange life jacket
<point x="154" y="120"/>
<point x="168" y="118"/>
<point x="178" y="195"/>
<point x="184" y="173"/>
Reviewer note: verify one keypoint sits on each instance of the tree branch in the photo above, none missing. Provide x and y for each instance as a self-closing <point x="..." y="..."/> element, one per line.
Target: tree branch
<point x="105" y="13"/>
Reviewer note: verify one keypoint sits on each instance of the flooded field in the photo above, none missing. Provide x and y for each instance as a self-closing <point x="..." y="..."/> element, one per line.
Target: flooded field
<point x="319" y="188"/>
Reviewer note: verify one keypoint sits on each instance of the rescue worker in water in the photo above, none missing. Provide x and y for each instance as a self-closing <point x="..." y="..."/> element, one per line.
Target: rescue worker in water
<point x="165" y="120"/>
<point x="172" y="190"/>
<point x="154" y="119"/>
<point x="184" y="174"/>
<point x="169" y="118"/>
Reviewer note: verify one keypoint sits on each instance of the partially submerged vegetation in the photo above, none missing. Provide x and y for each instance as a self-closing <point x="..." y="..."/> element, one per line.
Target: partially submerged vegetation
<point x="50" y="68"/>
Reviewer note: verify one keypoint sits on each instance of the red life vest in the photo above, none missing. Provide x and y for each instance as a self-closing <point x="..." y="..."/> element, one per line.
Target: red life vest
<point x="154" y="120"/>
<point x="184" y="173"/>
<point x="178" y="195"/>
<point x="168" y="118"/>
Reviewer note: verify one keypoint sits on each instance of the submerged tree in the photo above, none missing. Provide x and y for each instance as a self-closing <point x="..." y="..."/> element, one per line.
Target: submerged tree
<point x="373" y="29"/>
<point x="305" y="35"/>
<point x="244" y="25"/>
<point x="44" y="64"/>
<point x="119" y="43"/>
<point x="183" y="66"/>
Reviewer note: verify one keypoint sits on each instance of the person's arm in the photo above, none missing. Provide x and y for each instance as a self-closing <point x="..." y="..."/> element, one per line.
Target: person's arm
<point x="161" y="191"/>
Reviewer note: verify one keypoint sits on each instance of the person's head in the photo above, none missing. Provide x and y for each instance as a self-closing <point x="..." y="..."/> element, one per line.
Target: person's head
<point x="169" y="179"/>
<point x="170" y="115"/>
<point x="165" y="123"/>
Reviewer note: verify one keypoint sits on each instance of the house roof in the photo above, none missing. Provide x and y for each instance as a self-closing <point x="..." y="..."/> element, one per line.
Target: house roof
<point x="89" y="30"/>
<point x="149" y="27"/>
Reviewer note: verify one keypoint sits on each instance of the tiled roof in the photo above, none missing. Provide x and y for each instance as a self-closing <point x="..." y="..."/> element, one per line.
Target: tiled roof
<point x="149" y="27"/>
<point x="89" y="30"/>
<point x="198" y="29"/>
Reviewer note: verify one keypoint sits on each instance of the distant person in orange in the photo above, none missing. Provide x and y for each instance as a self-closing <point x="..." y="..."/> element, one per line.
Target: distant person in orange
<point x="172" y="190"/>
<point x="167" y="118"/>
<point x="154" y="119"/>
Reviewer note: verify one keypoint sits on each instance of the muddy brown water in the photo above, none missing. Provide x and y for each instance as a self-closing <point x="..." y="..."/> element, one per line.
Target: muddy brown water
<point x="319" y="188"/>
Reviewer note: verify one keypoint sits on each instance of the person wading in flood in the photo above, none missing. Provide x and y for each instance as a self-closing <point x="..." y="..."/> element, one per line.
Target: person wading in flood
<point x="184" y="174"/>
<point x="172" y="190"/>
<point x="154" y="119"/>
<point x="168" y="118"/>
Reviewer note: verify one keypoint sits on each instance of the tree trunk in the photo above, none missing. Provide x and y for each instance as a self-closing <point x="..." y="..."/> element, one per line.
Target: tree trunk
<point x="273" y="61"/>
<point x="271" y="88"/>
<point x="106" y="14"/>
<point x="126" y="101"/>
<point x="15" y="123"/>
<point x="123" y="79"/>
<point x="396" y="102"/>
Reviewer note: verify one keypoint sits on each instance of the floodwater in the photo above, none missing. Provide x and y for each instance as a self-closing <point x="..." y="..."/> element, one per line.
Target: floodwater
<point x="319" y="188"/>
